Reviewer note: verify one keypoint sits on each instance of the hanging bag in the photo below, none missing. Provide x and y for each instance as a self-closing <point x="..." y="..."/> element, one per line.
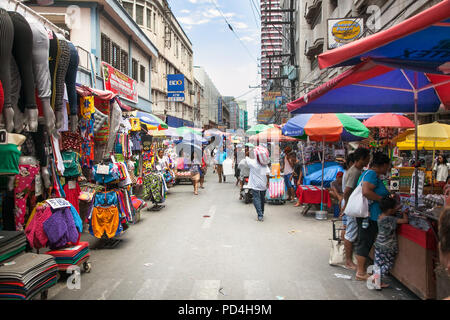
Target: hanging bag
<point x="358" y="205"/>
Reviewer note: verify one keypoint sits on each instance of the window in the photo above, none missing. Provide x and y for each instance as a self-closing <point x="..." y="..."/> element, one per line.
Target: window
<point x="149" y="18"/>
<point x="115" y="57"/>
<point x="142" y="73"/>
<point x="154" y="22"/>
<point x="140" y="15"/>
<point x="106" y="48"/>
<point x="129" y="8"/>
<point x="134" y="73"/>
<point x="124" y="62"/>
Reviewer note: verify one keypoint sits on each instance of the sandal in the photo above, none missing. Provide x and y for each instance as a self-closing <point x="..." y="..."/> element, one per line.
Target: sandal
<point x="362" y="278"/>
<point x="297" y="205"/>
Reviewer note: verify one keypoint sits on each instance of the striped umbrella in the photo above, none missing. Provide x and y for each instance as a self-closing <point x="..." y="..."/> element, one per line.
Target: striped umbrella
<point x="152" y="121"/>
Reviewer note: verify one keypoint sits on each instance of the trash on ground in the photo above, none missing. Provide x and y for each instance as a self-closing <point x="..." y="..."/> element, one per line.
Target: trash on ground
<point x="342" y="276"/>
<point x="399" y="289"/>
<point x="280" y="298"/>
<point x="148" y="264"/>
<point x="206" y="216"/>
<point x="293" y="231"/>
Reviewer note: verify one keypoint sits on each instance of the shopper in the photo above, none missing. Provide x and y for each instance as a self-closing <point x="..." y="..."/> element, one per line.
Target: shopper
<point x="297" y="174"/>
<point x="221" y="155"/>
<point x="203" y="170"/>
<point x="244" y="170"/>
<point x="374" y="190"/>
<point x="441" y="169"/>
<point x="386" y="246"/>
<point x="287" y="169"/>
<point x="336" y="188"/>
<point x="195" y="171"/>
<point x="361" y="158"/>
<point x="258" y="181"/>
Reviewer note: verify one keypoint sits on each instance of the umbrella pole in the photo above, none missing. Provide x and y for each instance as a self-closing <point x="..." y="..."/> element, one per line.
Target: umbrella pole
<point x="323" y="165"/>
<point x="416" y="168"/>
<point x="432" y="165"/>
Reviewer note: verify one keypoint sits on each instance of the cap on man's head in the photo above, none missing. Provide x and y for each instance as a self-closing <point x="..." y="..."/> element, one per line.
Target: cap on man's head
<point x="339" y="174"/>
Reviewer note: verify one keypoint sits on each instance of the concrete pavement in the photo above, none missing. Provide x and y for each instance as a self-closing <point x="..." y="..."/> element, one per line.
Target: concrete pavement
<point x="177" y="253"/>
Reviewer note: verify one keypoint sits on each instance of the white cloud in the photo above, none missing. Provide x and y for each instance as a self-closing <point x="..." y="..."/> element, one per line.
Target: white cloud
<point x="190" y="21"/>
<point x="185" y="11"/>
<point x="240" y="25"/>
<point x="248" y="39"/>
<point x="211" y="13"/>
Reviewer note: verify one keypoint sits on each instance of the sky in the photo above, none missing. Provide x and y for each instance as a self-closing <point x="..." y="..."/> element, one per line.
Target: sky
<point x="232" y="66"/>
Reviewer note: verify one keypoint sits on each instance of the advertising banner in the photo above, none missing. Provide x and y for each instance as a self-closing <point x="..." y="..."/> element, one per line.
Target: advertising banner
<point x="119" y="83"/>
<point x="271" y="95"/>
<point x="219" y="110"/>
<point x="342" y="31"/>
<point x="175" y="96"/>
<point x="175" y="82"/>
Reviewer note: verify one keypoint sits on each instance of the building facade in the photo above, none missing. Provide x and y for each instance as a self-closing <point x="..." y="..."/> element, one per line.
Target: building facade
<point x="271" y="41"/>
<point x="311" y="31"/>
<point x="102" y="31"/>
<point x="211" y="100"/>
<point x="158" y="22"/>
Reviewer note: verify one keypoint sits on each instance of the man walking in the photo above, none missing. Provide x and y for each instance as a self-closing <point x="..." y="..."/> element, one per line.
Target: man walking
<point x="361" y="158"/>
<point x="259" y="178"/>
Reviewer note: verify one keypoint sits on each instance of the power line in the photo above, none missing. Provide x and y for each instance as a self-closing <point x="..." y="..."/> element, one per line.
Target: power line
<point x="232" y="30"/>
<point x="256" y="8"/>
<point x="254" y="15"/>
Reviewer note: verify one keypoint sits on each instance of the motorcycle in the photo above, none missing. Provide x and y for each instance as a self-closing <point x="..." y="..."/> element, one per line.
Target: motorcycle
<point x="246" y="192"/>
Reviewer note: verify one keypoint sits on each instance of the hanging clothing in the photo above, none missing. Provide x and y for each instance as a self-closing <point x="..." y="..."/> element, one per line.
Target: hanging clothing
<point x="105" y="220"/>
<point x="35" y="226"/>
<point x="72" y="191"/>
<point x="24" y="187"/>
<point x="60" y="228"/>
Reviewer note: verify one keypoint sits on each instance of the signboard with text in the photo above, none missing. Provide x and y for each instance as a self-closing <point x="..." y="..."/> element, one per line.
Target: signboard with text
<point x="119" y="83"/>
<point x="271" y="95"/>
<point x="343" y="31"/>
<point x="175" y="82"/>
<point x="219" y="111"/>
<point x="175" y="96"/>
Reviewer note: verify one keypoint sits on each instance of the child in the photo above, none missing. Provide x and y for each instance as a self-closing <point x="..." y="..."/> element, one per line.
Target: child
<point x="386" y="246"/>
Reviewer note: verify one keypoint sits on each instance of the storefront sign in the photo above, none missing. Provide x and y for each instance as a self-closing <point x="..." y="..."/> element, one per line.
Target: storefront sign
<point x="342" y="31"/>
<point x="119" y="83"/>
<point x="175" y="96"/>
<point x="175" y="82"/>
<point x="219" y="111"/>
<point x="271" y="95"/>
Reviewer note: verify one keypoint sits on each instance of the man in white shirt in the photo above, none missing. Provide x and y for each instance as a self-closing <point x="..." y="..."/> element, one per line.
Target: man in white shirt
<point x="244" y="170"/>
<point x="259" y="183"/>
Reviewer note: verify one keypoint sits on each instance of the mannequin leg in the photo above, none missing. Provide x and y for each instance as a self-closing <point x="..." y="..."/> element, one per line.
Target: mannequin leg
<point x="23" y="54"/>
<point x="61" y="72"/>
<point x="16" y="84"/>
<point x="71" y="78"/>
<point x="6" y="43"/>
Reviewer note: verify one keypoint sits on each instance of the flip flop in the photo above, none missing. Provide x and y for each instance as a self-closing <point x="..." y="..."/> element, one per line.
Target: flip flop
<point x="359" y="278"/>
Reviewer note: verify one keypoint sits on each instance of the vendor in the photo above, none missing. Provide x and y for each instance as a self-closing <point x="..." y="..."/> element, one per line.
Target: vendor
<point x="441" y="169"/>
<point x="336" y="188"/>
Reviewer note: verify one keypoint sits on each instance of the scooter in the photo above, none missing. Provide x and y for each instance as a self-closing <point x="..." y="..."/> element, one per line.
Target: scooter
<point x="246" y="192"/>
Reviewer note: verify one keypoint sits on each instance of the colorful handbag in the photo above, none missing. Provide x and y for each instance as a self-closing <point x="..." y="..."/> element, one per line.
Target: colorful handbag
<point x="135" y="124"/>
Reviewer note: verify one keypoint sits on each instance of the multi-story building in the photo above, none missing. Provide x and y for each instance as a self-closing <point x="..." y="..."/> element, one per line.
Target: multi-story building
<point x="158" y="22"/>
<point x="311" y="30"/>
<point x="271" y="40"/>
<point x="211" y="100"/>
<point x="233" y="109"/>
<point x="103" y="31"/>
<point x="243" y="114"/>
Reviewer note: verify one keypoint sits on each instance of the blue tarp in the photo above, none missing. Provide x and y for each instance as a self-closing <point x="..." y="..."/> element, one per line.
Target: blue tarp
<point x="314" y="173"/>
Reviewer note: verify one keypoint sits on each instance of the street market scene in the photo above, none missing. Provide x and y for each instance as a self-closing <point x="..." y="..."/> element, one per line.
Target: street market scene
<point x="320" y="173"/>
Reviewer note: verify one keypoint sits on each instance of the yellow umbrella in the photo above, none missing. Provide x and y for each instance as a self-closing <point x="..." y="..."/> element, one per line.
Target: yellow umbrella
<point x="423" y="145"/>
<point x="432" y="133"/>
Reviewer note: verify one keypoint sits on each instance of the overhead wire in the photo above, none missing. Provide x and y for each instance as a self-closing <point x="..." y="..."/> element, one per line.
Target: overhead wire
<point x="232" y="30"/>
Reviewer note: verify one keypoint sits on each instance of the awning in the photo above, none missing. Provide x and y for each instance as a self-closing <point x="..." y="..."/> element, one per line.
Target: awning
<point x="420" y="43"/>
<point x="369" y="87"/>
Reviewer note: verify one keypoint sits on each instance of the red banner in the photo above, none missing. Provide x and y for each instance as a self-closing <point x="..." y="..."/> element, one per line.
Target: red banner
<point x="119" y="83"/>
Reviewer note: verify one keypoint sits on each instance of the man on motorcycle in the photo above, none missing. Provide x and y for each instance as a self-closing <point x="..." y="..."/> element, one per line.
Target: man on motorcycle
<point x="244" y="171"/>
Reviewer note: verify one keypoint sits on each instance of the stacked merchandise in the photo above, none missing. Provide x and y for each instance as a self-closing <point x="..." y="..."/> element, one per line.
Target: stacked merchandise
<point x="76" y="255"/>
<point x="54" y="223"/>
<point x="11" y="243"/>
<point x="27" y="275"/>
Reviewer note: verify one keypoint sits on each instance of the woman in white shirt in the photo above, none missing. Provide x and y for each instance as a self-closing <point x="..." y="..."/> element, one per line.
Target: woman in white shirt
<point x="441" y="169"/>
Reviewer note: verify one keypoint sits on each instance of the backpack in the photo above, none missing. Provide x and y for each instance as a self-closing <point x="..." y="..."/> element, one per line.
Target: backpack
<point x="262" y="155"/>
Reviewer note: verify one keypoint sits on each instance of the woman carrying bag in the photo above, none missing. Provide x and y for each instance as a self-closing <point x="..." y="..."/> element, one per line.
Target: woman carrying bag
<point x="363" y="205"/>
<point x="195" y="169"/>
<point x="373" y="189"/>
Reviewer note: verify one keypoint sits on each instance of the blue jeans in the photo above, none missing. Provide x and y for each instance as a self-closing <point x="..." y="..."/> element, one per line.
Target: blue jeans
<point x="287" y="181"/>
<point x="258" y="201"/>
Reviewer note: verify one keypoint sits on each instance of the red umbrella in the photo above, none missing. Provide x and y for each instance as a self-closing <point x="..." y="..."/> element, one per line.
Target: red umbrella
<point x="389" y="120"/>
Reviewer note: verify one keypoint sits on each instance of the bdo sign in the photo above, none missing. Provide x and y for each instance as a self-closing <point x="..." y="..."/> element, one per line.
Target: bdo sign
<point x="175" y="82"/>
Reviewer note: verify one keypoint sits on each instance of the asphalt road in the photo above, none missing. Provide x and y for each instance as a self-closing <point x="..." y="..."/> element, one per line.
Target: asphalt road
<point x="177" y="253"/>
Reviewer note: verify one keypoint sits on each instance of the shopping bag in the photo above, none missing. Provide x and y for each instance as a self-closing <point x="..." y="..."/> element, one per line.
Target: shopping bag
<point x="180" y="164"/>
<point x="228" y="167"/>
<point x="357" y="205"/>
<point x="337" y="254"/>
<point x="277" y="189"/>
<point x="262" y="155"/>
